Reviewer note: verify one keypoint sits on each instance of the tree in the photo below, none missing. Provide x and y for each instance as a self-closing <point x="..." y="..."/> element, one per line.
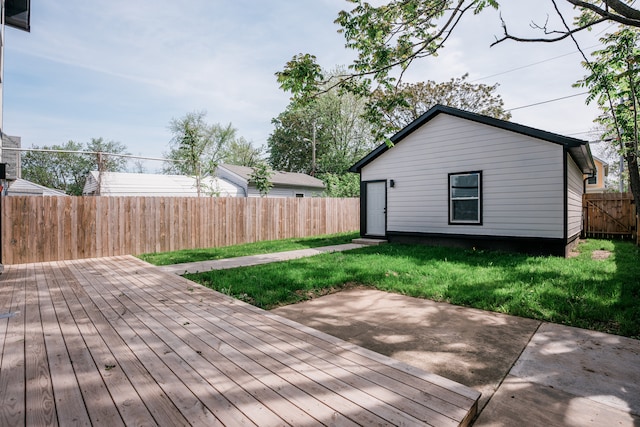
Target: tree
<point x="614" y="83"/>
<point x="331" y="125"/>
<point x="104" y="162"/>
<point x="242" y="153"/>
<point x="393" y="35"/>
<point x="195" y="144"/>
<point x="261" y="178"/>
<point x="197" y="147"/>
<point x="341" y="185"/>
<point x="417" y="98"/>
<point x="67" y="167"/>
<point x="390" y="37"/>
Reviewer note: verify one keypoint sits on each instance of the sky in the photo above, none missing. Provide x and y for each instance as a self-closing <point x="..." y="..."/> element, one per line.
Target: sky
<point x="122" y="69"/>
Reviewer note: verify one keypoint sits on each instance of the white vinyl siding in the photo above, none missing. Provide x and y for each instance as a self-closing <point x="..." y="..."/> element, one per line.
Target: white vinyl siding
<point x="522" y="180"/>
<point x="140" y="184"/>
<point x="574" y="199"/>
<point x="286" y="192"/>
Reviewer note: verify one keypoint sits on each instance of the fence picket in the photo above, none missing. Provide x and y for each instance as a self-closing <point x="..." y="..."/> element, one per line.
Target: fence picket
<point x="36" y="229"/>
<point x="609" y="215"/>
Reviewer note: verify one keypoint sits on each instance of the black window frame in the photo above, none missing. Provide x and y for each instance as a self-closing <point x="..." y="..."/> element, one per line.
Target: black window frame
<point x="593" y="180"/>
<point x="453" y="221"/>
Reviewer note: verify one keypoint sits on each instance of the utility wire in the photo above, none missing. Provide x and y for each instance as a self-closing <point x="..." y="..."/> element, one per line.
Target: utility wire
<point x="546" y="102"/>
<point x="531" y="65"/>
<point x="128" y="156"/>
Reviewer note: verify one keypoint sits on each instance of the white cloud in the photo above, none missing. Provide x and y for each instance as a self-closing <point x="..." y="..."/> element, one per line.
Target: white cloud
<point x="121" y="69"/>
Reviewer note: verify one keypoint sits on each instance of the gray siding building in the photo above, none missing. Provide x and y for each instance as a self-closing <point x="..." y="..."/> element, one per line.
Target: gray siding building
<point x="459" y="178"/>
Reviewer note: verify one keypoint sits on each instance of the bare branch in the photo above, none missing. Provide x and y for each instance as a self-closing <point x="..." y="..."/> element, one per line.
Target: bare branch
<point x="562" y="36"/>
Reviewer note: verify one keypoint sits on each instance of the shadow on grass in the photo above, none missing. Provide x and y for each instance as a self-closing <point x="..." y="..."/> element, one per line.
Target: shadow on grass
<point x="594" y="294"/>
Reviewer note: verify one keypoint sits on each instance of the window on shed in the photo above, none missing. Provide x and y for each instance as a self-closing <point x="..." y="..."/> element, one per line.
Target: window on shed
<point x="299" y="195"/>
<point x="465" y="204"/>
<point x="593" y="180"/>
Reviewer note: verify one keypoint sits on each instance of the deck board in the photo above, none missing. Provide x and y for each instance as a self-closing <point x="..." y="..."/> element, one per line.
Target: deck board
<point x="335" y="374"/>
<point x="39" y="390"/>
<point x="12" y="367"/>
<point x="114" y="341"/>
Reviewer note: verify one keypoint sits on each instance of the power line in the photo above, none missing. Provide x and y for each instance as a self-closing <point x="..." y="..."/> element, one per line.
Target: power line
<point x="548" y="101"/>
<point x="47" y="150"/>
<point x="531" y="65"/>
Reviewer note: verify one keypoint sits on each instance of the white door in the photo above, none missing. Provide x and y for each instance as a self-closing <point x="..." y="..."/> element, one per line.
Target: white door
<point x="376" y="208"/>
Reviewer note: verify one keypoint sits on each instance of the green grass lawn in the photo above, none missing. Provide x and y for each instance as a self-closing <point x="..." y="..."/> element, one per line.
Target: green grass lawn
<point x="601" y="294"/>
<point x="265" y="247"/>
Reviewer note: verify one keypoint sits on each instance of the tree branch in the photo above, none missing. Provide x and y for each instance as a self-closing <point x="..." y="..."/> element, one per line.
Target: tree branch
<point x="625" y="14"/>
<point x="562" y="36"/>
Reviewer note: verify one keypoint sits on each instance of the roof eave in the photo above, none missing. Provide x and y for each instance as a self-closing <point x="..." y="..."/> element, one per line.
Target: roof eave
<point x="490" y="121"/>
<point x="582" y="156"/>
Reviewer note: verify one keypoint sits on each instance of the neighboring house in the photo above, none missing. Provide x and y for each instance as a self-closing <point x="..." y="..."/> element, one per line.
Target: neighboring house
<point x="141" y="184"/>
<point x="462" y="179"/>
<point x="596" y="181"/>
<point x="22" y="187"/>
<point x="285" y="184"/>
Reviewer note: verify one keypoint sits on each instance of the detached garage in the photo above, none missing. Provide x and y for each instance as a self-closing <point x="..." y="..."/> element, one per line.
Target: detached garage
<point x="462" y="179"/>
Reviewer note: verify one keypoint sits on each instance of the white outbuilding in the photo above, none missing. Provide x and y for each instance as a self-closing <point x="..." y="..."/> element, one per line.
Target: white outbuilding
<point x="462" y="179"/>
<point x="142" y="184"/>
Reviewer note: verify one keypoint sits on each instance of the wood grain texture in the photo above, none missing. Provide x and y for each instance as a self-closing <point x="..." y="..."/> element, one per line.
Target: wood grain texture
<point x="114" y="341"/>
<point x="39" y="229"/>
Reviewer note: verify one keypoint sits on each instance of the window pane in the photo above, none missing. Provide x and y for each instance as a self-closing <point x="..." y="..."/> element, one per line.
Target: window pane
<point x="465" y="210"/>
<point x="464" y="192"/>
<point x="593" y="179"/>
<point x="464" y="180"/>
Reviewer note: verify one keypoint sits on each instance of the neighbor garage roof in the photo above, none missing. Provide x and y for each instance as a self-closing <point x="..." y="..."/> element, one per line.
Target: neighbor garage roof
<point x="279" y="178"/>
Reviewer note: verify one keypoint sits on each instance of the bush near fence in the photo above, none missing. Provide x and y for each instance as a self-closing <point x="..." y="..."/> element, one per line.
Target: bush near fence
<point x="36" y="229"/>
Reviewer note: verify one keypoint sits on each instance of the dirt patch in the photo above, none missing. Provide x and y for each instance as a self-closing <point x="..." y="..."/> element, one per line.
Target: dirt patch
<point x="600" y="254"/>
<point x="306" y="295"/>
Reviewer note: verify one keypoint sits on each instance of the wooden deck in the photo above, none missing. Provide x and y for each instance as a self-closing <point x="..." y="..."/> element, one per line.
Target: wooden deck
<point x="114" y="341"/>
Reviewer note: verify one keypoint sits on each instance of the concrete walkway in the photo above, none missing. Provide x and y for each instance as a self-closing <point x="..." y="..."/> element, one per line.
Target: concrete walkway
<point x="529" y="372"/>
<point x="246" y="261"/>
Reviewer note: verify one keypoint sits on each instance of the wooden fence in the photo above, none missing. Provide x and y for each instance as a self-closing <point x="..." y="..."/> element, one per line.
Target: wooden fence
<point x="610" y="216"/>
<point x="36" y="229"/>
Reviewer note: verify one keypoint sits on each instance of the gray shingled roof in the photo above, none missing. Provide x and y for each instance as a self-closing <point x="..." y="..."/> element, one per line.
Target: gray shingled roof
<point x="279" y="178"/>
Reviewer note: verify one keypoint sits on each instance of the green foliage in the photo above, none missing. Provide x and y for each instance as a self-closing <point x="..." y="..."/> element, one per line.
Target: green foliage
<point x="109" y="163"/>
<point x="301" y="76"/>
<point x="333" y="120"/>
<point x="614" y="83"/>
<point x="197" y="146"/>
<point x="261" y="178"/>
<point x="68" y="171"/>
<point x="611" y="10"/>
<point x="241" y="152"/>
<point x="386" y="38"/>
<point x="341" y="185"/>
<point x="401" y="105"/>
<point x="400" y="31"/>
